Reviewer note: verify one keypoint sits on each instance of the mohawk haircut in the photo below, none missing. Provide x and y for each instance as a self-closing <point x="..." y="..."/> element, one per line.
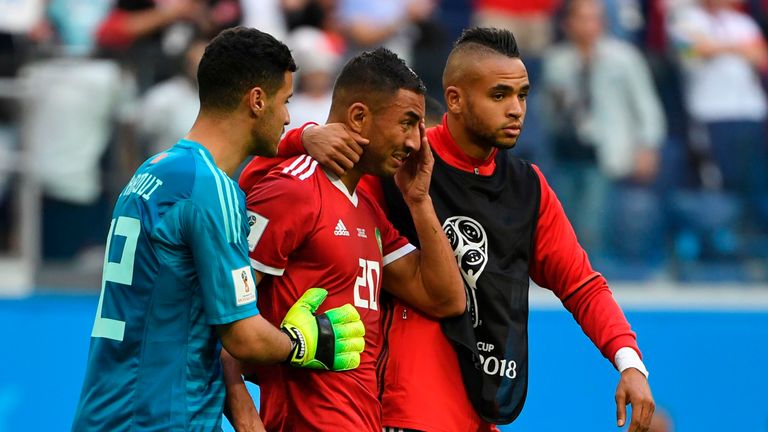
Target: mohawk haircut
<point x="373" y="73"/>
<point x="499" y="40"/>
<point x="237" y="60"/>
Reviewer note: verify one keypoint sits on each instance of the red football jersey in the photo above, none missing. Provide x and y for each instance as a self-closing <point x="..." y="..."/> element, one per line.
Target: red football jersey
<point x="308" y="231"/>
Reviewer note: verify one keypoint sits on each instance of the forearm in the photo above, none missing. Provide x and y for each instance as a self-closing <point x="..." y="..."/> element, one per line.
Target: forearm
<point x="437" y="267"/>
<point x="600" y="317"/>
<point x="255" y="340"/>
<point x="239" y="407"/>
<point x="139" y="24"/>
<point x="756" y="54"/>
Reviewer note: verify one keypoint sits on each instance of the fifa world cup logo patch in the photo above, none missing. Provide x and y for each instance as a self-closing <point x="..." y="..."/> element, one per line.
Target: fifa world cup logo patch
<point x="244" y="276"/>
<point x="470" y="247"/>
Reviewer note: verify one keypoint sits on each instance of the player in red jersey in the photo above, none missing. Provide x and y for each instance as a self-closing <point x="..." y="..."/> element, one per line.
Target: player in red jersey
<point x="311" y="228"/>
<point x="498" y="248"/>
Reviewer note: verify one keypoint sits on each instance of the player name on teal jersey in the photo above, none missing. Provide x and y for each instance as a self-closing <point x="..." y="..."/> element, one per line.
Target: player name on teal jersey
<point x="143" y="185"/>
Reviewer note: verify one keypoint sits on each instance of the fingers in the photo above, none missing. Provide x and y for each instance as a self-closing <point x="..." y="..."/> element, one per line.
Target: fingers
<point x="352" y="151"/>
<point x="359" y="140"/>
<point x="344" y="152"/>
<point x="354" y="329"/>
<point x="312" y="298"/>
<point x="334" y="167"/>
<point x="346" y="361"/>
<point x="344" y="314"/>
<point x="351" y="345"/>
<point x="621" y="409"/>
<point x="642" y="414"/>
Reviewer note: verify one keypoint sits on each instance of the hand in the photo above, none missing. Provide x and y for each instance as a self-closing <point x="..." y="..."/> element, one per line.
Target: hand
<point x="646" y="165"/>
<point x="414" y="177"/>
<point x="633" y="389"/>
<point x="332" y="340"/>
<point x="334" y="146"/>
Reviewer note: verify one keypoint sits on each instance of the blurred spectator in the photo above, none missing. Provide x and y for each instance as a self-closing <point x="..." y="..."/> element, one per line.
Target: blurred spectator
<point x="150" y="37"/>
<point x="312" y="13"/>
<point x="318" y="61"/>
<point x="722" y="52"/>
<point x="607" y="127"/>
<point x="67" y="128"/>
<point x="269" y="16"/>
<point x="69" y="26"/>
<point x="624" y="19"/>
<point x="531" y="22"/>
<point x="167" y="110"/>
<point x="17" y="18"/>
<point x="390" y="23"/>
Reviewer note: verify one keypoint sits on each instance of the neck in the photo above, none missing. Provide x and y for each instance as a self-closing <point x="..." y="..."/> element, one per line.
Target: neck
<point x="351" y="178"/>
<point x="465" y="142"/>
<point x="221" y="135"/>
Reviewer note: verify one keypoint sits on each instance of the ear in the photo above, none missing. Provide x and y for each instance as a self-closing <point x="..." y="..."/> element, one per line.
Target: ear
<point x="357" y="115"/>
<point x="257" y="100"/>
<point x="453" y="99"/>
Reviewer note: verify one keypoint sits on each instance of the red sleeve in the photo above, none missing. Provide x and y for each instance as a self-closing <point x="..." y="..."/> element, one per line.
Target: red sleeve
<point x="291" y="145"/>
<point x="257" y="169"/>
<point x="560" y="264"/>
<point x="279" y="225"/>
<point x="113" y="32"/>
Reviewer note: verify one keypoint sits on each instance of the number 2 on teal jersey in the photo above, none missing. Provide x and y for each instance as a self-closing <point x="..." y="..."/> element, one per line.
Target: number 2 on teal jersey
<point x="118" y="272"/>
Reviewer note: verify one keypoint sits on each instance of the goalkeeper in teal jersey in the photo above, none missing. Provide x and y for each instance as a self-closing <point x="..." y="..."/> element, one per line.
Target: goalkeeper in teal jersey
<point x="177" y="282"/>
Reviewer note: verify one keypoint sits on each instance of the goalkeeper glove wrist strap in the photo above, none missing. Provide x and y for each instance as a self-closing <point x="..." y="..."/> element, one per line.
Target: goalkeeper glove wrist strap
<point x="296" y="343"/>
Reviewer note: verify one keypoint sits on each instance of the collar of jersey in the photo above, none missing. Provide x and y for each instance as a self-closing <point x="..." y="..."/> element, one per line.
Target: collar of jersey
<point x="445" y="147"/>
<point x="194" y="144"/>
<point x="340" y="186"/>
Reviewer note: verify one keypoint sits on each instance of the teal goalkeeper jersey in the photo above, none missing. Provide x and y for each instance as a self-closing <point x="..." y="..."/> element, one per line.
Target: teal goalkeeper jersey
<point x="176" y="265"/>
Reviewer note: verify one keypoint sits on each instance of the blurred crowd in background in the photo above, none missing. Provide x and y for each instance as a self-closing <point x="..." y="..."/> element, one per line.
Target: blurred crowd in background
<point x="647" y="116"/>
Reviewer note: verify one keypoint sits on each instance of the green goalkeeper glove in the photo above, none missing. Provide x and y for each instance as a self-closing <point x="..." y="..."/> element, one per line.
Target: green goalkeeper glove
<point x="332" y="340"/>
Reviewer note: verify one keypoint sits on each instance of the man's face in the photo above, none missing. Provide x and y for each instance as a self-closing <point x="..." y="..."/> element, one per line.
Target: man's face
<point x="393" y="132"/>
<point x="270" y="127"/>
<point x="584" y="24"/>
<point x="494" y="101"/>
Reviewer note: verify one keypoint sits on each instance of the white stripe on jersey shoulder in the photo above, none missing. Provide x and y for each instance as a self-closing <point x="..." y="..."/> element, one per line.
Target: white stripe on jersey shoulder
<point x="295" y="162"/>
<point x="303" y="167"/>
<point x="223" y="193"/>
<point x="266" y="269"/>
<point x="340" y="186"/>
<point x="310" y="171"/>
<point x="397" y="254"/>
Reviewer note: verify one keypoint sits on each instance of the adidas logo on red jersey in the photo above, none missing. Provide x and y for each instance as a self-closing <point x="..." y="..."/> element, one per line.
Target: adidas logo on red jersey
<point x="340" y="229"/>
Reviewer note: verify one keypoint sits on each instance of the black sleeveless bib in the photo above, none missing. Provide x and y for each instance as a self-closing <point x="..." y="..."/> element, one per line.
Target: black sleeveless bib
<point x="490" y="222"/>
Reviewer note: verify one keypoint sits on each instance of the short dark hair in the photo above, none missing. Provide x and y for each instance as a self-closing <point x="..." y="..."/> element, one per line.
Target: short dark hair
<point x="237" y="60"/>
<point x="499" y="40"/>
<point x="377" y="71"/>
